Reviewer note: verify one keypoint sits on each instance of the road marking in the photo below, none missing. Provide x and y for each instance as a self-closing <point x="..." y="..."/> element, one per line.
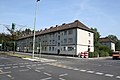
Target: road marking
<point x="118" y="77"/>
<point x="61" y="79"/>
<point x="109" y="75"/>
<point x="90" y="71"/>
<point x="99" y="73"/>
<point x="15" y="66"/>
<point x="37" y="71"/>
<point x="69" y="68"/>
<point x="5" y="72"/>
<point x="47" y="74"/>
<point x="63" y="74"/>
<point x="28" y="65"/>
<point x="22" y="66"/>
<point x="23" y="70"/>
<point x="1" y="71"/>
<point x="34" y="65"/>
<point x="40" y="68"/>
<point x="2" y="65"/>
<point x="8" y="64"/>
<point x="7" y="67"/>
<point x="76" y="69"/>
<point x="82" y="70"/>
<point x="10" y="76"/>
<point x="46" y="78"/>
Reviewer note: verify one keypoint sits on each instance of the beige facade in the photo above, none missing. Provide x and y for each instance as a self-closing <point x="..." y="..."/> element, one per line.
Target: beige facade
<point x="70" y="39"/>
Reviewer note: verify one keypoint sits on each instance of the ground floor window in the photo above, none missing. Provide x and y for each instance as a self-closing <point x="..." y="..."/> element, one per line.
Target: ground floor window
<point x="70" y="48"/>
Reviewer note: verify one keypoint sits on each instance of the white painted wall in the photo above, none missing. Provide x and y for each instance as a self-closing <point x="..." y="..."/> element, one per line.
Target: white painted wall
<point x="83" y="38"/>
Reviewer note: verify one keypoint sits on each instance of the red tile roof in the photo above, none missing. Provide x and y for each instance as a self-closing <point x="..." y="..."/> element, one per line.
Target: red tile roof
<point x="75" y="24"/>
<point x="106" y="39"/>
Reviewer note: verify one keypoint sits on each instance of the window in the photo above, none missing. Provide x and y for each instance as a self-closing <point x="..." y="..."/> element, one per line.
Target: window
<point x="65" y="40"/>
<point x="59" y="32"/>
<point x="65" y="32"/>
<point x="64" y="48"/>
<point x="70" y="48"/>
<point x="58" y="37"/>
<point x="70" y="31"/>
<point x="58" y="44"/>
<point x="50" y="41"/>
<point x="70" y="40"/>
<point x="53" y="42"/>
<point x="89" y="41"/>
<point x="52" y="48"/>
<point x="89" y="34"/>
<point x="49" y="48"/>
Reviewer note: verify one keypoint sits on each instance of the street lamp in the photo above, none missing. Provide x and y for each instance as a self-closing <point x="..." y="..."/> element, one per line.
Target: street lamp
<point x="34" y="29"/>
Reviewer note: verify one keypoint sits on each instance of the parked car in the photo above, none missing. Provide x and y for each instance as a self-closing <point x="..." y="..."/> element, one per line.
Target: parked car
<point x="116" y="55"/>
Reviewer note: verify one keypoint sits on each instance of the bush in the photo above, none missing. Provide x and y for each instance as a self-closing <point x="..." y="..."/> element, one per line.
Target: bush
<point x="103" y="54"/>
<point x="93" y="54"/>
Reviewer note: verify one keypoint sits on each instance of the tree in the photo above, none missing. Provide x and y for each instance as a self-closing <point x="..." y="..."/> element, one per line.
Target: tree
<point x="116" y="40"/>
<point x="96" y="39"/>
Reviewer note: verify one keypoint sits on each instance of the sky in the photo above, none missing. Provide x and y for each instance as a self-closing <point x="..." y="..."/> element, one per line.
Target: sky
<point x="101" y="14"/>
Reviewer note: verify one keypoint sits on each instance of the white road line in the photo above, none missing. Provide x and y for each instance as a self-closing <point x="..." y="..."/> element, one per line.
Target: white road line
<point x="15" y="64"/>
<point x="76" y="69"/>
<point x="37" y="71"/>
<point x="99" y="73"/>
<point x="7" y="67"/>
<point x="23" y="70"/>
<point x="15" y="67"/>
<point x="46" y="78"/>
<point x="90" y="71"/>
<point x="82" y="70"/>
<point x="8" y="64"/>
<point x="10" y="76"/>
<point x="22" y="66"/>
<point x="61" y="79"/>
<point x="2" y="65"/>
<point x="40" y="68"/>
<point x="47" y="74"/>
<point x="69" y="68"/>
<point x="28" y="65"/>
<point x="1" y="71"/>
<point x="63" y="74"/>
<point x="34" y="65"/>
<point x="118" y="77"/>
<point x="109" y="75"/>
<point x="5" y="72"/>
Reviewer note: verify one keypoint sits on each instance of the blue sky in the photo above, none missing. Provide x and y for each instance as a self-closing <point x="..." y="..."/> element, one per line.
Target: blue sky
<point x="101" y="14"/>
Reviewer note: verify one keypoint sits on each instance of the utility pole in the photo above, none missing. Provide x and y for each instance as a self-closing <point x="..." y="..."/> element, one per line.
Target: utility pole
<point x="34" y="29"/>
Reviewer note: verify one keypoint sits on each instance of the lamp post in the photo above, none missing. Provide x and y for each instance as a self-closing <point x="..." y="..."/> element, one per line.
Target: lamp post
<point x="34" y="29"/>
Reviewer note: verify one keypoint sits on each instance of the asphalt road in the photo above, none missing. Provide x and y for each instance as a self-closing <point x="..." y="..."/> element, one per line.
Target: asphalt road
<point x="64" y="68"/>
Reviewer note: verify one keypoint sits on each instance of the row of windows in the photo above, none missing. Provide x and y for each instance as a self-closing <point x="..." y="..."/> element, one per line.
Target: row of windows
<point x="62" y="49"/>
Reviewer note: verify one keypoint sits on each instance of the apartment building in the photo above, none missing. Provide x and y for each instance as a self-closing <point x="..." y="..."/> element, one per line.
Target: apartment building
<point x="71" y="39"/>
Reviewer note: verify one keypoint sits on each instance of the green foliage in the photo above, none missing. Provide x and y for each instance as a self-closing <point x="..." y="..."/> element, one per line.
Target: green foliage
<point x="118" y="46"/>
<point x="100" y="49"/>
<point x="93" y="54"/>
<point x="103" y="53"/>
